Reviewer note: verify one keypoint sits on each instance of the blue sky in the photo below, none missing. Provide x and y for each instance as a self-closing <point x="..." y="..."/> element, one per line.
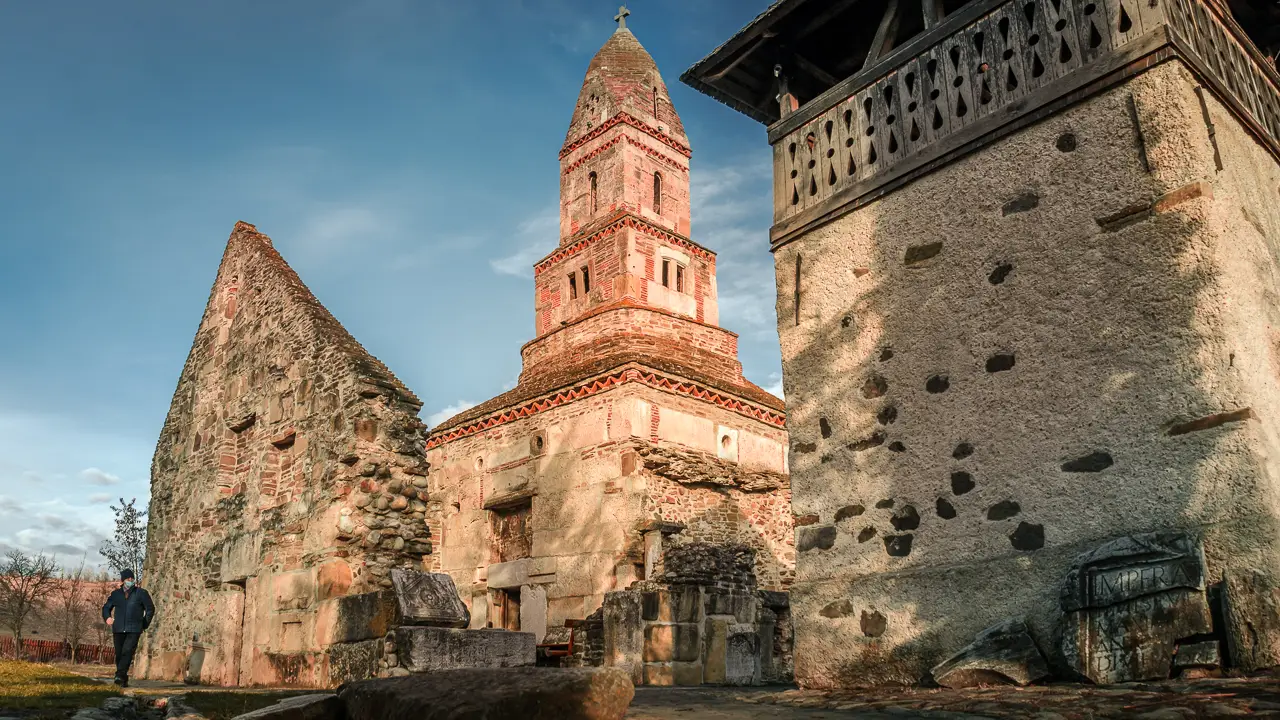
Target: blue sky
<point x="402" y="155"/>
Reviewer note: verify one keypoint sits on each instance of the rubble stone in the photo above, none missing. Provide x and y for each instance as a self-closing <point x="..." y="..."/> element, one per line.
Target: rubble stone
<point x="1003" y="653"/>
<point x="426" y="649"/>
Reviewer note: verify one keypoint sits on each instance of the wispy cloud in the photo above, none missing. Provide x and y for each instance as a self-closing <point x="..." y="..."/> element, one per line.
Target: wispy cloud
<point x="775" y="385"/>
<point x="99" y="477"/>
<point x="534" y="238"/>
<point x="9" y="505"/>
<point x="100" y="499"/>
<point x="445" y="413"/>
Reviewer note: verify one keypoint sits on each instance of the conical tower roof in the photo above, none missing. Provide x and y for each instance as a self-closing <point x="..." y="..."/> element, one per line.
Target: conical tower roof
<point x="623" y="78"/>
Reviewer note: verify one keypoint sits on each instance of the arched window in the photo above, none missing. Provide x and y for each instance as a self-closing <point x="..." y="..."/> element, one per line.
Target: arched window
<point x="594" y="195"/>
<point x="657" y="193"/>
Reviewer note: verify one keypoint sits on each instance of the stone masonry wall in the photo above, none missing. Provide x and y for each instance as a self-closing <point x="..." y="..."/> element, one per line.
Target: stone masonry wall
<point x="1065" y="337"/>
<point x="579" y="467"/>
<point x="289" y="478"/>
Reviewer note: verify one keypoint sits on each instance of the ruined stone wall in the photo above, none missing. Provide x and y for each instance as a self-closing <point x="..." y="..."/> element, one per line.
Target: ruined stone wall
<point x="1064" y="337"/>
<point x="579" y="467"/>
<point x="288" y="479"/>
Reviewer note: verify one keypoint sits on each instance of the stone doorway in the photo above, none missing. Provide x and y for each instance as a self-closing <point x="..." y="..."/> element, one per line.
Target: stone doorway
<point x="236" y="648"/>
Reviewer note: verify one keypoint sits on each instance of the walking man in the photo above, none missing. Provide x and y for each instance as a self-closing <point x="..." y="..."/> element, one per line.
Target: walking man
<point x="133" y="613"/>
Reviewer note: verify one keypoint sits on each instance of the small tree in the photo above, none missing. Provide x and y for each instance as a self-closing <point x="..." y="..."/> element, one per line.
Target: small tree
<point x="26" y="581"/>
<point x="128" y="549"/>
<point x="74" y="607"/>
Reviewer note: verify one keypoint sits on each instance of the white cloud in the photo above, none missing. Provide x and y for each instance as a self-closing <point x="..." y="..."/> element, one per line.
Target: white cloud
<point x="9" y="505"/>
<point x="775" y="385"/>
<point x="99" y="477"/>
<point x="100" y="499"/>
<point x="445" y="413"/>
<point x="536" y="236"/>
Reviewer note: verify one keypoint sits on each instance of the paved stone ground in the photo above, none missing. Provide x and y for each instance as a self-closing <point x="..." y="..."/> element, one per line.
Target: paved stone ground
<point x="1191" y="700"/>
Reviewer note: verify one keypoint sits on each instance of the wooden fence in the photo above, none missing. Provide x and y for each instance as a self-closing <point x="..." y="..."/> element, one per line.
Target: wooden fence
<point x="53" y="650"/>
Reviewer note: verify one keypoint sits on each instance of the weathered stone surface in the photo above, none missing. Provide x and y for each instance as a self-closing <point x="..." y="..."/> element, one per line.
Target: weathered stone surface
<point x="1127" y="604"/>
<point x="429" y="599"/>
<point x="1252" y="613"/>
<point x="1131" y="567"/>
<point x="1198" y="655"/>
<point x="424" y="649"/>
<point x="303" y="707"/>
<point x="254" y="526"/>
<point x="525" y="693"/>
<point x="1003" y="653"/>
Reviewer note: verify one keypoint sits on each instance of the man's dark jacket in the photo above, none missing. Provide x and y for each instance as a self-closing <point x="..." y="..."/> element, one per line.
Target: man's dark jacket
<point x="134" y="611"/>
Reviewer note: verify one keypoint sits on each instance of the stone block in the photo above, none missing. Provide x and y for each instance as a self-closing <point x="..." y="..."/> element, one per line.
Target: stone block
<point x="525" y="693"/>
<point x="428" y="599"/>
<point x="675" y="604"/>
<point x="511" y="574"/>
<point x="1252" y="612"/>
<point x="667" y="643"/>
<point x="353" y="660"/>
<point x="1128" y="602"/>
<point x="1198" y="655"/>
<point x="624" y="632"/>
<point x="293" y="590"/>
<point x="742" y="606"/>
<point x="427" y="649"/>
<point x="686" y="673"/>
<point x="240" y="557"/>
<point x="714" y="660"/>
<point x="1001" y="654"/>
<point x="303" y="707"/>
<point x="742" y="657"/>
<point x="658" y="674"/>
<point x="533" y="610"/>
<point x="352" y="618"/>
<point x="333" y="579"/>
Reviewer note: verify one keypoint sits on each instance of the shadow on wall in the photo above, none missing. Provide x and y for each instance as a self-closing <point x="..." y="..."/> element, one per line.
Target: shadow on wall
<point x="993" y="369"/>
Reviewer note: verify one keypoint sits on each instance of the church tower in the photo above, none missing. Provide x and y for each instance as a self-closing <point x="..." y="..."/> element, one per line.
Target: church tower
<point x="631" y="425"/>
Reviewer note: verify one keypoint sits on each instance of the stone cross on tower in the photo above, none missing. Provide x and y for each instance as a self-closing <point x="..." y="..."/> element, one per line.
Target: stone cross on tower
<point x="621" y="17"/>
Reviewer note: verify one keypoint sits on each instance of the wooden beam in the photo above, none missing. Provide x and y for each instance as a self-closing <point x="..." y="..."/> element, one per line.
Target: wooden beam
<point x="737" y="59"/>
<point x="812" y="68"/>
<point x="933" y="13"/>
<point x="886" y="34"/>
<point x="833" y="9"/>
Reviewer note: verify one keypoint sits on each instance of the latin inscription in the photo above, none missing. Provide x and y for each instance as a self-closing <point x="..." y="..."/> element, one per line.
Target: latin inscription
<point x="1108" y="586"/>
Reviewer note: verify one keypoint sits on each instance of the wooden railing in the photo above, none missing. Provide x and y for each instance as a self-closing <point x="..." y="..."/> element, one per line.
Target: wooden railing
<point x="989" y="65"/>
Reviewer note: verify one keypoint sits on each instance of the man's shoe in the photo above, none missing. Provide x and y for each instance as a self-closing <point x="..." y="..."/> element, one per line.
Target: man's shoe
<point x="125" y="683"/>
<point x="119" y="681"/>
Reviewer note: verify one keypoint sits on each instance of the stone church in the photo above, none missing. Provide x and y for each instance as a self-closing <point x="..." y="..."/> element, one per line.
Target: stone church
<point x="632" y="426"/>
<point x="293" y="475"/>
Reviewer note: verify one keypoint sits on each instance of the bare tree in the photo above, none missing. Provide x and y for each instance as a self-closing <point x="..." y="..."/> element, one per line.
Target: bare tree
<point x="128" y="549"/>
<point x="25" y="583"/>
<point x="74" y="607"/>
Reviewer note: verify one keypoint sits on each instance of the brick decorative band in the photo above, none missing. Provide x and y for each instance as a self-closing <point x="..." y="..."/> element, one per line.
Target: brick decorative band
<point x="630" y="221"/>
<point x="602" y="384"/>
<point x="627" y="119"/>
<point x="630" y="141"/>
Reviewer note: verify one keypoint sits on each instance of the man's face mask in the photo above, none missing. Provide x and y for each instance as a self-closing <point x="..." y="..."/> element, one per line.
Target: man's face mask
<point x="128" y="584"/>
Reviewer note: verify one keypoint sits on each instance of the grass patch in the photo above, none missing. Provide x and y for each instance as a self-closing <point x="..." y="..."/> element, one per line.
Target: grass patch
<point x="219" y="705"/>
<point x="35" y="690"/>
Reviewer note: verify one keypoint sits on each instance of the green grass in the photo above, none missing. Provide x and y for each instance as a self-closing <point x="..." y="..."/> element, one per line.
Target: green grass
<point x="219" y="705"/>
<point x="35" y="690"/>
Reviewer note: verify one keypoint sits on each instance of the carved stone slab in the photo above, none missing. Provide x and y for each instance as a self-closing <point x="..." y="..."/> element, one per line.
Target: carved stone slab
<point x="1131" y="567"/>
<point x="1128" y="603"/>
<point x="428" y="599"/>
